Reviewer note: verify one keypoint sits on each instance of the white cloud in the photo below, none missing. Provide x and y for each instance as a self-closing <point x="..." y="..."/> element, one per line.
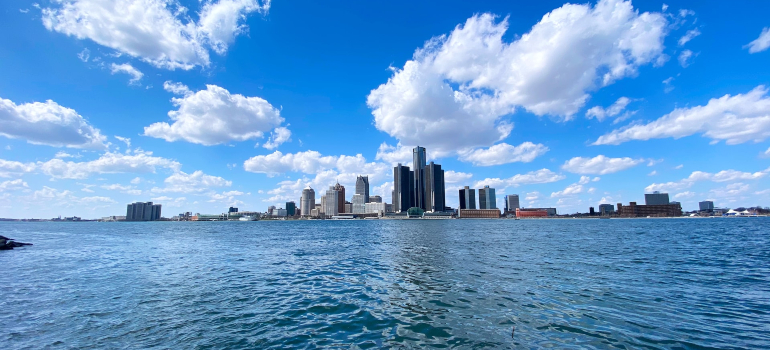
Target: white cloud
<point x="176" y="88"/>
<point x="277" y="137"/>
<point x="157" y="31"/>
<point x="760" y="44"/>
<point x="730" y="191"/>
<point x="116" y="187"/>
<point x="653" y="173"/>
<point x="572" y="189"/>
<point x="722" y="176"/>
<point x="108" y="163"/>
<point x="125" y="140"/>
<point x="503" y="153"/>
<point x="65" y="198"/>
<point x="395" y="154"/>
<point x="766" y="153"/>
<point x="214" y="116"/>
<point x="84" y="55"/>
<point x="181" y="182"/>
<point x="600" y="113"/>
<point x="13" y="185"/>
<point x="680" y="166"/>
<point x="62" y="155"/>
<point x="49" y="124"/>
<point x="667" y="85"/>
<point x="126" y="68"/>
<point x="9" y="167"/>
<point x="312" y="162"/>
<point x="691" y="34"/>
<point x="684" y="58"/>
<point x="599" y="165"/>
<point x="532" y="196"/>
<point x="453" y="177"/>
<point x="734" y="119"/>
<point x="136" y="180"/>
<point x="533" y="177"/>
<point x="684" y="195"/>
<point x="573" y="50"/>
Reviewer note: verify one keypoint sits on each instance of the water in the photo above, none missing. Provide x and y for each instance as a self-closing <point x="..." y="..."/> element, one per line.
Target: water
<point x="581" y="284"/>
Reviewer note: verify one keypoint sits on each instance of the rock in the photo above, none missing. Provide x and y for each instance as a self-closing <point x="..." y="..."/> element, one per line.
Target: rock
<point x="8" y="244"/>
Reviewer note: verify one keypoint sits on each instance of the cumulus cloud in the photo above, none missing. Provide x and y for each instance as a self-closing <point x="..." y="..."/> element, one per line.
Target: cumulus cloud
<point x="126" y="68"/>
<point x="453" y="177"/>
<point x="684" y="195"/>
<point x="696" y="176"/>
<point x="159" y="32"/>
<point x="541" y="176"/>
<point x="503" y="153"/>
<point x="48" y="123"/>
<point x="601" y="113"/>
<point x="277" y="137"/>
<point x="760" y="44"/>
<point x="691" y="34"/>
<point x="10" y="167"/>
<point x="181" y="182"/>
<point x="108" y="163"/>
<point x="214" y="116"/>
<point x="125" y="140"/>
<point x="313" y="162"/>
<point x="13" y="185"/>
<point x="456" y="90"/>
<point x="65" y="198"/>
<point x="600" y="165"/>
<point x="734" y="119"/>
<point x="176" y="88"/>
<point x="84" y="55"/>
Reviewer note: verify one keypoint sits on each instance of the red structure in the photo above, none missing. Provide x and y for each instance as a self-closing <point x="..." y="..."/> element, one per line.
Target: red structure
<point x="536" y="213"/>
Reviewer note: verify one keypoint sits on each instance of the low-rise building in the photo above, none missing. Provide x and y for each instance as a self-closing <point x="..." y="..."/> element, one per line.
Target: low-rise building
<point x="662" y="210"/>
<point x="531" y="213"/>
<point x="478" y="213"/>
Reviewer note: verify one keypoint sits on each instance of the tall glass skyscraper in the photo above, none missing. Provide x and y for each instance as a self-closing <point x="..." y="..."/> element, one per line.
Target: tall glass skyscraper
<point x="307" y="201"/>
<point x="467" y="198"/>
<point x="403" y="184"/>
<point x="435" y="195"/>
<point x="487" y="198"/>
<point x="418" y="162"/>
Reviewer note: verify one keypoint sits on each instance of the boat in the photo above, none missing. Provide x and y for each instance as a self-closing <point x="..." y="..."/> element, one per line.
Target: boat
<point x="248" y="218"/>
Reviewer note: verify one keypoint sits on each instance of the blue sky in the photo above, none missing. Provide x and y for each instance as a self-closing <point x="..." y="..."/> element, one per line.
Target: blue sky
<point x="203" y="105"/>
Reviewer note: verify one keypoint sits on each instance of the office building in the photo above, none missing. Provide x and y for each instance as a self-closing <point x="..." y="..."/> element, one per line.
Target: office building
<point x="706" y="206"/>
<point x="467" y="198"/>
<point x="362" y="187"/>
<point x="270" y="210"/>
<point x="143" y="211"/>
<point x="478" y="213"/>
<point x="512" y="202"/>
<point x="659" y="210"/>
<point x="606" y="209"/>
<point x="232" y="210"/>
<point x="331" y="202"/>
<point x="376" y="208"/>
<point x="487" y="198"/>
<point x="531" y="213"/>
<point x="348" y="208"/>
<point x="435" y="196"/>
<point x="322" y="210"/>
<point x="656" y="198"/>
<point x="280" y="212"/>
<point x="291" y="208"/>
<point x="375" y="199"/>
<point x="307" y="201"/>
<point x="403" y="182"/>
<point x="418" y="189"/>
<point x="358" y="204"/>
<point x="340" y="198"/>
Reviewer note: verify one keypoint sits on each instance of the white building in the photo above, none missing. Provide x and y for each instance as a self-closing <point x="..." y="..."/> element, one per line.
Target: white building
<point x="375" y="207"/>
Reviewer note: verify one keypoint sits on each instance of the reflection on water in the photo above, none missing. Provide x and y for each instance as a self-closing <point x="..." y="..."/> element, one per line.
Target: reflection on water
<point x="370" y="284"/>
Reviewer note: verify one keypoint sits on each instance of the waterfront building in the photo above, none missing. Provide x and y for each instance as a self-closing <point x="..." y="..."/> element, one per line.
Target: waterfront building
<point x="661" y="210"/>
<point x="143" y="211"/>
<point x="340" y="197"/>
<point x="606" y="209"/>
<point x="467" y="198"/>
<point x="359" y="205"/>
<point x="531" y="213"/>
<point x="418" y="188"/>
<point x="375" y="199"/>
<point x="706" y="206"/>
<point x="232" y="210"/>
<point x="487" y="198"/>
<point x="322" y="210"/>
<point x="315" y="212"/>
<point x="348" y="208"/>
<point x="403" y="180"/>
<point x="435" y="196"/>
<point x="656" y="198"/>
<point x="376" y="208"/>
<point x="478" y="213"/>
<point x="511" y="202"/>
<point x="307" y="202"/>
<point x="280" y="212"/>
<point x="331" y="202"/>
<point x="362" y="187"/>
<point x="291" y="208"/>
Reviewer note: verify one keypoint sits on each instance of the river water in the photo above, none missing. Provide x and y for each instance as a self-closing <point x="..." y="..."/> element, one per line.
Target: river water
<point x="580" y="284"/>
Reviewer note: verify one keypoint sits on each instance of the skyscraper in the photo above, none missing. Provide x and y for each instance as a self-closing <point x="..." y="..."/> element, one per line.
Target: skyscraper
<point x="487" y="198"/>
<point x="435" y="196"/>
<point x="362" y="187"/>
<point x="141" y="211"/>
<point x="418" y="191"/>
<point x="340" y="198"/>
<point x="512" y="202"/>
<point x="403" y="183"/>
<point x="467" y="198"/>
<point x="331" y="202"/>
<point x="307" y="202"/>
<point x="291" y="208"/>
<point x="656" y="198"/>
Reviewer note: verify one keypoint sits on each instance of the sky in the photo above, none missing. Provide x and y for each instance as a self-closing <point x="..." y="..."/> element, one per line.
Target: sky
<point x="202" y="105"/>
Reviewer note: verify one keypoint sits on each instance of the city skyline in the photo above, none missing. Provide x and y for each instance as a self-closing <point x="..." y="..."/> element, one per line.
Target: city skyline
<point x="250" y="109"/>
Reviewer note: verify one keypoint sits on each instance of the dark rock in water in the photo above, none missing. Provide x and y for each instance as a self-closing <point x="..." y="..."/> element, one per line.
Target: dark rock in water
<point x="8" y="244"/>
